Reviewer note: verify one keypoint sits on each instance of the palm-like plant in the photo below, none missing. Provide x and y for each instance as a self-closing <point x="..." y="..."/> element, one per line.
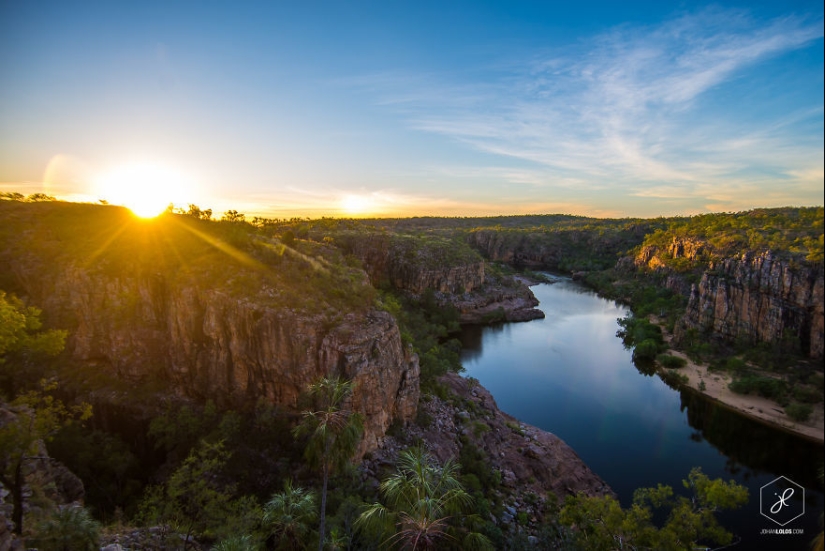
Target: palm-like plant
<point x="68" y="528"/>
<point x="334" y="432"/>
<point x="422" y="498"/>
<point x="288" y="514"/>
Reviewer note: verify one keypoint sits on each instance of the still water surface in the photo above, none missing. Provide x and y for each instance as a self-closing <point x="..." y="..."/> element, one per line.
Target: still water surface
<point x="570" y="375"/>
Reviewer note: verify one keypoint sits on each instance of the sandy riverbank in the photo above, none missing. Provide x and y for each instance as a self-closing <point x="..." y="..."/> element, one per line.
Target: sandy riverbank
<point x="716" y="387"/>
<point x="757" y="407"/>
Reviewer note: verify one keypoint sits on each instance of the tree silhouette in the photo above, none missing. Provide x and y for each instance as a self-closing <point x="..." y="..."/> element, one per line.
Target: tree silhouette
<point x="334" y="432"/>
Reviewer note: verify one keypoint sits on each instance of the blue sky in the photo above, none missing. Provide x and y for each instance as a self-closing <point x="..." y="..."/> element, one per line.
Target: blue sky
<point x="419" y="108"/>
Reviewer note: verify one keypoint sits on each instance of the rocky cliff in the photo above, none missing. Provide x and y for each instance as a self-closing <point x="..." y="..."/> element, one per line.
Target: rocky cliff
<point x="527" y="458"/>
<point x="759" y="297"/>
<point x="448" y="267"/>
<point x="558" y="250"/>
<point x="212" y="310"/>
<point x="415" y="264"/>
<point x="209" y="343"/>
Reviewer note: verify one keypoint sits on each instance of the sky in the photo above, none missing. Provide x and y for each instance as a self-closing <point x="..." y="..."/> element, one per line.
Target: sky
<point x="294" y="109"/>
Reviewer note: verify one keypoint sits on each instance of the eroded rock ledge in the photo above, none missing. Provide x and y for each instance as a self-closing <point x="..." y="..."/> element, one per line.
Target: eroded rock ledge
<point x="528" y="458"/>
<point x="497" y="302"/>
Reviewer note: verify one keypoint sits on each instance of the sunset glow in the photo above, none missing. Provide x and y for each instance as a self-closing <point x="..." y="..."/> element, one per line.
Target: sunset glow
<point x="611" y="109"/>
<point x="145" y="189"/>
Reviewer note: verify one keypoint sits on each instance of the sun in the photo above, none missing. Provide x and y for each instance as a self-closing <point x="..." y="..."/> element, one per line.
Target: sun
<point x="145" y="189"/>
<point x="356" y="204"/>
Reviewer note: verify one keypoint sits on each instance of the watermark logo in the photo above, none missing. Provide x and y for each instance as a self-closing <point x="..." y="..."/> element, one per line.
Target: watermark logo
<point x="782" y="500"/>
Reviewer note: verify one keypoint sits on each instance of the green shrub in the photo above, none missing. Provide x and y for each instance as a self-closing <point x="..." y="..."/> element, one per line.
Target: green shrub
<point x="648" y="349"/>
<point x="807" y="394"/>
<point x="767" y="387"/>
<point x="68" y="528"/>
<point x="799" y="412"/>
<point x="671" y="362"/>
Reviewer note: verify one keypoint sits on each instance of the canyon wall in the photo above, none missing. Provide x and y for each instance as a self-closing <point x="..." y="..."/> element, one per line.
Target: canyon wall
<point x="416" y="264"/>
<point x="564" y="250"/>
<point x="207" y="342"/>
<point x="759" y="297"/>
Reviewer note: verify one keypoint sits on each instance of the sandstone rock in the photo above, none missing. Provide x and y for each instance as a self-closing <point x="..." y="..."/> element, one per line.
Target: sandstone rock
<point x="759" y="298"/>
<point x="548" y="466"/>
<point x="415" y="265"/>
<point x="208" y="343"/>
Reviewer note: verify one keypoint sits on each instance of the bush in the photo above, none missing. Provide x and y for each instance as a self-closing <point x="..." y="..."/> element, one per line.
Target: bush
<point x="807" y="395"/>
<point x="735" y="365"/>
<point x="68" y="528"/>
<point x="671" y="362"/>
<point x="648" y="349"/>
<point x="799" y="412"/>
<point x="767" y="387"/>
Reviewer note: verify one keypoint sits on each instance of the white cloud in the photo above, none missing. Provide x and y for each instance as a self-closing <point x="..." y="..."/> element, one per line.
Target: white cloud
<point x="627" y="108"/>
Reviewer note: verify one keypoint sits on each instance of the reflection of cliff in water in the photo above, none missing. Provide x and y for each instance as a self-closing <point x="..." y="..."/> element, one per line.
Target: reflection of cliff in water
<point x="734" y="435"/>
<point x="472" y="341"/>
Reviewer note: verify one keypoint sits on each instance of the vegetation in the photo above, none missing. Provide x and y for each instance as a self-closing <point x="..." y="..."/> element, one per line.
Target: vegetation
<point x="425" y="503"/>
<point x="430" y="328"/>
<point x="187" y="250"/>
<point x="68" y="528"/>
<point x="334" y="432"/>
<point x="288" y="515"/>
<point x="799" y="412"/>
<point x="601" y="523"/>
<point x="36" y="415"/>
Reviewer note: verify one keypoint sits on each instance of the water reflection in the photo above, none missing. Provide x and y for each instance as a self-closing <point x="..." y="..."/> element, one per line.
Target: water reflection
<point x="752" y="447"/>
<point x="571" y="375"/>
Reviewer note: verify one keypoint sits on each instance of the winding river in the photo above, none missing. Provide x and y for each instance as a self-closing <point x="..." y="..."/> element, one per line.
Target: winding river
<point x="570" y="375"/>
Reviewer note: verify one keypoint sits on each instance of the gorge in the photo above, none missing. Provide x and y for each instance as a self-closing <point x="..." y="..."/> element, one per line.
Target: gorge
<point x="185" y="310"/>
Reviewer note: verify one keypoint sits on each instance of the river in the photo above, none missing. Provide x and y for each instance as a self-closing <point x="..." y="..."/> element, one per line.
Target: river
<point x="570" y="375"/>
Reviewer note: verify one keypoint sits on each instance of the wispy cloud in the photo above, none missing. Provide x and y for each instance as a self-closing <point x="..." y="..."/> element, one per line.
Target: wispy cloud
<point x="627" y="107"/>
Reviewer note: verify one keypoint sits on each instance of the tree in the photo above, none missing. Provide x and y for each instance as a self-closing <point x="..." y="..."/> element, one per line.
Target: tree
<point x="201" y="214"/>
<point x="334" y="432"/>
<point x="601" y="523"/>
<point x="287" y="516"/>
<point x="233" y="216"/>
<point x="32" y="418"/>
<point x="193" y="500"/>
<point x="22" y="341"/>
<point x="422" y="500"/>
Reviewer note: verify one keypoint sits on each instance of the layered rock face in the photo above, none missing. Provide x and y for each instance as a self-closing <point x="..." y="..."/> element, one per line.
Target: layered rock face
<point x="550" y="250"/>
<point x="524" y="252"/>
<point x="416" y="269"/>
<point x="760" y="298"/>
<point x="210" y="344"/>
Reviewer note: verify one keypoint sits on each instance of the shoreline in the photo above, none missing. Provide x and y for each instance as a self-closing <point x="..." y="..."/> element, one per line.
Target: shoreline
<point x="716" y="388"/>
<point x="755" y="407"/>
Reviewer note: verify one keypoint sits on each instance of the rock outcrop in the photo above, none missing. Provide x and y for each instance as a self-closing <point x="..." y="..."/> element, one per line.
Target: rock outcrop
<point x="759" y="297"/>
<point x="528" y="459"/>
<point x="210" y="343"/>
<point x="416" y="264"/>
<point x="455" y="273"/>
<point x="545" y="249"/>
<point x="496" y="302"/>
<point x="47" y="484"/>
